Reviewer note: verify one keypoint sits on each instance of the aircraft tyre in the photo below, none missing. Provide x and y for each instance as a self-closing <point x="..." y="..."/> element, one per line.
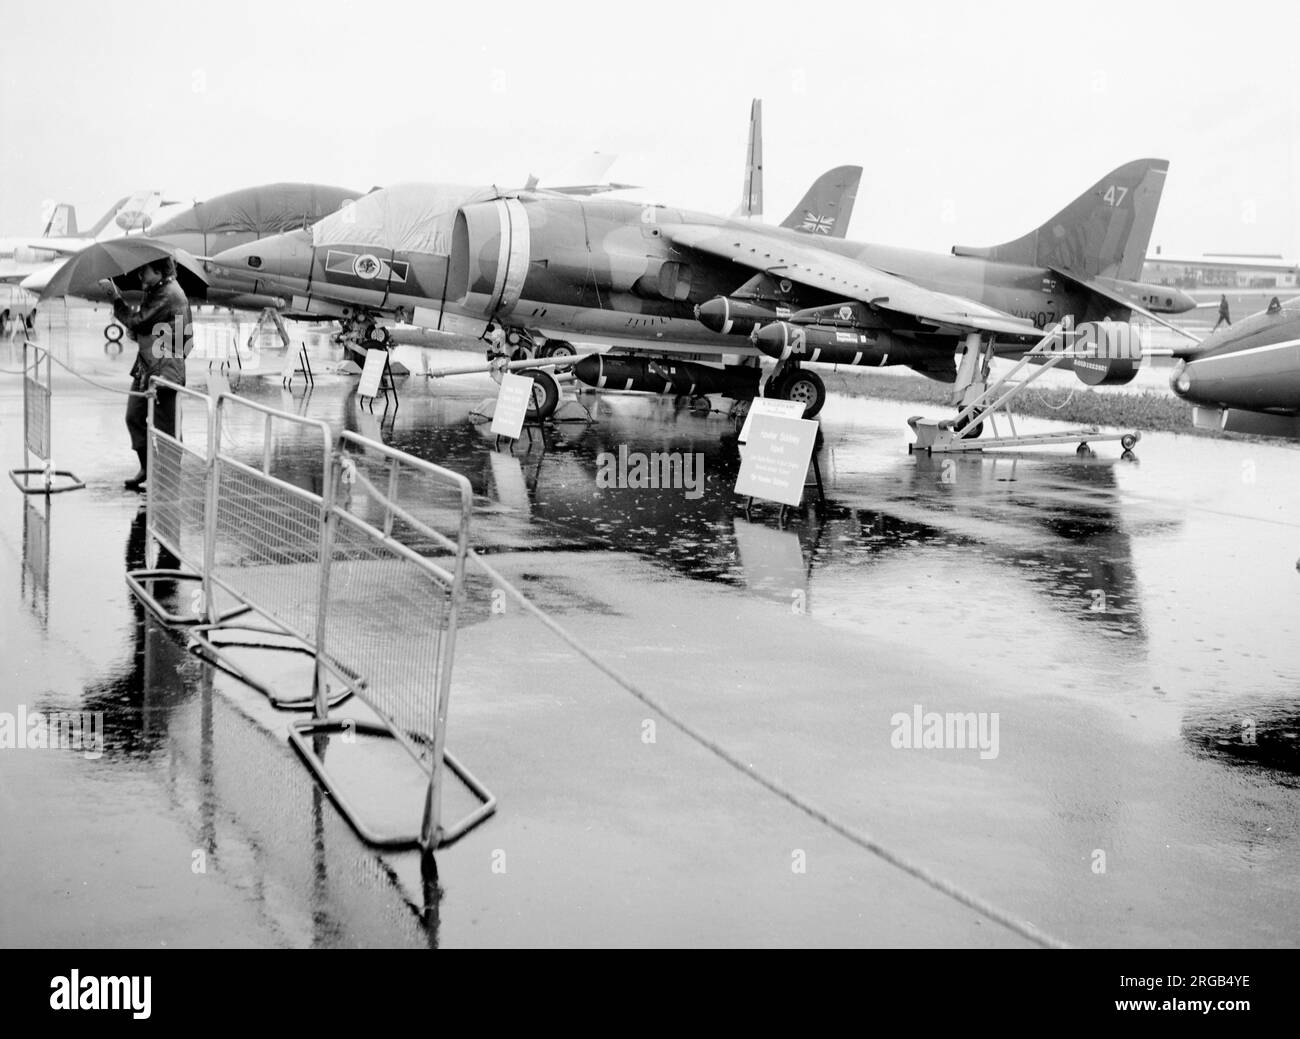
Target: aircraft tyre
<point x="803" y="385"/>
<point x="558" y="348"/>
<point x="545" y="397"/>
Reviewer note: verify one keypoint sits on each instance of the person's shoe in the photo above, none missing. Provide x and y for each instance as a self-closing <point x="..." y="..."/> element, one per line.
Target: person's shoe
<point x="136" y="482"/>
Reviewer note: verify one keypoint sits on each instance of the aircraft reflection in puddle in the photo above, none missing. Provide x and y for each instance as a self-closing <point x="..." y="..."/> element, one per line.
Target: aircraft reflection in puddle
<point x="1055" y="523"/>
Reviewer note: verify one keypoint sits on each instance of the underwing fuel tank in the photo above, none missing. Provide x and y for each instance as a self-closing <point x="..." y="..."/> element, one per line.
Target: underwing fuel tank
<point x="678" y="378"/>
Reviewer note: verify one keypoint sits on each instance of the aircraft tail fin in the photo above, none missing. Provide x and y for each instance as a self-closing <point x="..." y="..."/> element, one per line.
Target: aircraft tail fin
<point x="828" y="205"/>
<point x="1102" y="233"/>
<point x="62" y="222"/>
<point x="751" y="200"/>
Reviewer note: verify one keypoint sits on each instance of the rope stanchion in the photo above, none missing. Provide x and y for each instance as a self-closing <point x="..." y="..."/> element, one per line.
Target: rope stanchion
<point x="72" y="371"/>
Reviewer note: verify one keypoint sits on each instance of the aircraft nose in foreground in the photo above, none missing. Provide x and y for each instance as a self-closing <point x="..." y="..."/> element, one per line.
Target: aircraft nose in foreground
<point x="286" y="255"/>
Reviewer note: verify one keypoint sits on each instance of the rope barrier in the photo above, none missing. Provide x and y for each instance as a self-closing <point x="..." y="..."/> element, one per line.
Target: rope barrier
<point x="73" y="371"/>
<point x="866" y="842"/>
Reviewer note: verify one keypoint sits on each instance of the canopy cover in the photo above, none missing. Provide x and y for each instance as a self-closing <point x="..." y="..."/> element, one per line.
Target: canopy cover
<point x="405" y="218"/>
<point x="267" y="210"/>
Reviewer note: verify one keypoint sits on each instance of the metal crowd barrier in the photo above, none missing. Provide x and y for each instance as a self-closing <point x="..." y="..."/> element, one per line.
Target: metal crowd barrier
<point x="37" y="439"/>
<point x="348" y="552"/>
<point x="389" y="614"/>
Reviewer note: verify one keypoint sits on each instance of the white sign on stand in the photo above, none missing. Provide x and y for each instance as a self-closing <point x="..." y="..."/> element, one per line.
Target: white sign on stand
<point x="373" y="373"/>
<point x="770" y="406"/>
<point x="512" y="405"/>
<point x="775" y="462"/>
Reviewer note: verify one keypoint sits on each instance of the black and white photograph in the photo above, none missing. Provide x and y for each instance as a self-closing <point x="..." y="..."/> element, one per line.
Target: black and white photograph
<point x="736" y="476"/>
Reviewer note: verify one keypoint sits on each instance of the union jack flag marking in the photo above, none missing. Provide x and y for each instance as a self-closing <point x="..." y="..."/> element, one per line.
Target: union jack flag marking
<point x="817" y="224"/>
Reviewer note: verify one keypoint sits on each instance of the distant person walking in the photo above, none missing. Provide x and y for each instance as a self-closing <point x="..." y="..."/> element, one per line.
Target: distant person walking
<point x="162" y="327"/>
<point x="1224" y="316"/>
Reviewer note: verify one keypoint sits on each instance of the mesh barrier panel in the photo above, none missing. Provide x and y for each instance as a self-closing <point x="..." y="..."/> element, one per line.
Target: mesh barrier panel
<point x="36" y="406"/>
<point x="387" y="619"/>
<point x="264" y="535"/>
<point x="267" y="546"/>
<point x="178" y="478"/>
<point x="398" y="542"/>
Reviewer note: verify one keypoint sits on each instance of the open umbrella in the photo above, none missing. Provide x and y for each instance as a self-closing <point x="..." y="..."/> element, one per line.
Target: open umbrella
<point x="119" y="259"/>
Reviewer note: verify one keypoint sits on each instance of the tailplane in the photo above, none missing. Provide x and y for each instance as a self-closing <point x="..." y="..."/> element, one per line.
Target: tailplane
<point x="1102" y="233"/>
<point x="828" y="205"/>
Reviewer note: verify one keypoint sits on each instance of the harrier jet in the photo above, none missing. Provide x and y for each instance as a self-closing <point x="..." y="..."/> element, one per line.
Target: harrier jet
<point x="679" y="295"/>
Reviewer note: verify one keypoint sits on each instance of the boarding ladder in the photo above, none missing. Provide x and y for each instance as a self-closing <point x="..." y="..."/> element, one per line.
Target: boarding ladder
<point x="960" y="433"/>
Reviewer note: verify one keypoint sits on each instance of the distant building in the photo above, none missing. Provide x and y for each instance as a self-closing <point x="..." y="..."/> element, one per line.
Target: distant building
<point x="1222" y="271"/>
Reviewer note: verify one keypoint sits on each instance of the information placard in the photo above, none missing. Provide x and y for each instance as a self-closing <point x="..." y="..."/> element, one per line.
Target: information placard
<point x="775" y="462"/>
<point x="512" y="405"/>
<point x="373" y="373"/>
<point x="770" y="406"/>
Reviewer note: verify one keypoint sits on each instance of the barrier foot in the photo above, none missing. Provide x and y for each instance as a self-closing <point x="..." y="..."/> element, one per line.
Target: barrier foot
<point x="302" y="735"/>
<point x="140" y="581"/>
<point x="206" y="646"/>
<point x="22" y="480"/>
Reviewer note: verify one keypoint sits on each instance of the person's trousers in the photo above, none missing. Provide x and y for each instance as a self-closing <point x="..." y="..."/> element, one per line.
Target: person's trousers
<point x="137" y="419"/>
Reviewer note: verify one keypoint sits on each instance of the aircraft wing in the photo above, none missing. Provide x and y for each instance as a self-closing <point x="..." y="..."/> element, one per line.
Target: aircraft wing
<point x="58" y="246"/>
<point x="849" y="278"/>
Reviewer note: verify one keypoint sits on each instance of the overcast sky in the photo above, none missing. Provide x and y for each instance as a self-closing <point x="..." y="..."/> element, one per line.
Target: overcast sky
<point x="974" y="122"/>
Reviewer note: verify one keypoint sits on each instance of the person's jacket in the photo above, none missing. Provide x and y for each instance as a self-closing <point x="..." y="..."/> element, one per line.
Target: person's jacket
<point x="163" y="329"/>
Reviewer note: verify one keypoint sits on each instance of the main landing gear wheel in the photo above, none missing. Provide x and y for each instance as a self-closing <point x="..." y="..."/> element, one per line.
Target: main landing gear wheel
<point x="378" y="336"/>
<point x="557" y="348"/>
<point x="977" y="418"/>
<point x="802" y="385"/>
<point x="545" y="397"/>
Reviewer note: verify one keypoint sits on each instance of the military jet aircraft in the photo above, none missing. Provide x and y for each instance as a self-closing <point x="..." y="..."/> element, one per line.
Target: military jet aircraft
<point x="678" y="293"/>
<point x="1246" y="378"/>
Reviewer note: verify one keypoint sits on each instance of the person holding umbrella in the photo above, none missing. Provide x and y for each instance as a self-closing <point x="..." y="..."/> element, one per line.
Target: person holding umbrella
<point x="162" y="327"/>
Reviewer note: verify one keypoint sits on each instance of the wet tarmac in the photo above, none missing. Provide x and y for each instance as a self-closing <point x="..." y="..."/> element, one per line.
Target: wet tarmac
<point x="1133" y="625"/>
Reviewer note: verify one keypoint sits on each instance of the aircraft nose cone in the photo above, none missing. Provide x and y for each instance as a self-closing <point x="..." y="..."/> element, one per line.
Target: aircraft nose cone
<point x="288" y="255"/>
